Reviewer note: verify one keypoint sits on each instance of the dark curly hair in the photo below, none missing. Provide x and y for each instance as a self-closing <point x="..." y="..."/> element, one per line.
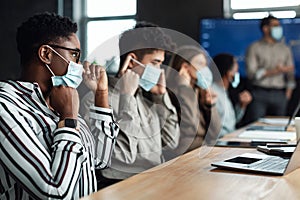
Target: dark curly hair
<point x="144" y="38"/>
<point x="41" y="29"/>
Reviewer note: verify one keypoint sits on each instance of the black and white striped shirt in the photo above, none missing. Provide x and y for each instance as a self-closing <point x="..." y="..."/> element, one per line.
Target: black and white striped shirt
<point x="39" y="160"/>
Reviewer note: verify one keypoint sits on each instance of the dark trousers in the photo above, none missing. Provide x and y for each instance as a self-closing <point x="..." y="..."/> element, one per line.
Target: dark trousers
<point x="265" y="102"/>
<point x="103" y="182"/>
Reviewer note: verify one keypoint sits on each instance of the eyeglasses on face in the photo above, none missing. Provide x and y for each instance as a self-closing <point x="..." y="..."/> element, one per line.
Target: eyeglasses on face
<point x="75" y="52"/>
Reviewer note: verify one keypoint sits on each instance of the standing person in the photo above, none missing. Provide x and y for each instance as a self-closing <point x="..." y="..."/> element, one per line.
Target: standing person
<point x="148" y="120"/>
<point x="229" y="75"/>
<point x="270" y="69"/>
<point x="189" y="81"/>
<point x="47" y="150"/>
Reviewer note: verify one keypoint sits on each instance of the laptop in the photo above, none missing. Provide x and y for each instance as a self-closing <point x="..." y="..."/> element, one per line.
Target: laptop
<point x="276" y="128"/>
<point x="262" y="163"/>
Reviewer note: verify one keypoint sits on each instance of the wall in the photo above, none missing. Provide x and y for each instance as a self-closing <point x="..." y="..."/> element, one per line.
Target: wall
<point x="162" y="12"/>
<point x="183" y="16"/>
<point x="13" y="13"/>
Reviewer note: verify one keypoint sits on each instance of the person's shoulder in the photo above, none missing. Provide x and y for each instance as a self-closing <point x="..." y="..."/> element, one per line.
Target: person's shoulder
<point x="257" y="43"/>
<point x="283" y="45"/>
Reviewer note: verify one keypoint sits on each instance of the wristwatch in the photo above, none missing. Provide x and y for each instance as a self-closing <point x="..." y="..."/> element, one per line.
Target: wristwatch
<point x="68" y="122"/>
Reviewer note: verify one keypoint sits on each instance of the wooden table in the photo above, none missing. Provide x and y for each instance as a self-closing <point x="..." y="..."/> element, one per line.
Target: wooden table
<point x="191" y="176"/>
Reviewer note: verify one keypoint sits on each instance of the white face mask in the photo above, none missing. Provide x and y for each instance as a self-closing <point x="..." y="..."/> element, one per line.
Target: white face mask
<point x="72" y="78"/>
<point x="149" y="77"/>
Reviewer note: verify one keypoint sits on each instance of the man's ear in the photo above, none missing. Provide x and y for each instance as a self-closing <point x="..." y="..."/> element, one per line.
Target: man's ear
<point x="45" y="54"/>
<point x="131" y="63"/>
<point x="265" y="29"/>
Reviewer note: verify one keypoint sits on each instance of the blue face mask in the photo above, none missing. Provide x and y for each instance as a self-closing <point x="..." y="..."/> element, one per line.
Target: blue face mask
<point x="204" y="78"/>
<point x="72" y="78"/>
<point x="277" y="32"/>
<point x="149" y="77"/>
<point x="236" y="80"/>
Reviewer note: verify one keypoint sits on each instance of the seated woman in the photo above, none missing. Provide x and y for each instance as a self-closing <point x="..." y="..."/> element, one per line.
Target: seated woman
<point x="188" y="81"/>
<point x="229" y="75"/>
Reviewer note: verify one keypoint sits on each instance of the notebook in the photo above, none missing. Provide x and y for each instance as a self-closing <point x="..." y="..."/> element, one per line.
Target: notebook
<point x="276" y="127"/>
<point x="262" y="163"/>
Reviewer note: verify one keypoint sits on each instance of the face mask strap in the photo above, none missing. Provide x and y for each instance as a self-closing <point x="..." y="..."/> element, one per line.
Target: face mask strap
<point x="139" y="63"/>
<point x="50" y="69"/>
<point x="58" y="54"/>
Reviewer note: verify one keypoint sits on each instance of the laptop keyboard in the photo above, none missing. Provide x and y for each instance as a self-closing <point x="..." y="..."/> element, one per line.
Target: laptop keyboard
<point x="270" y="164"/>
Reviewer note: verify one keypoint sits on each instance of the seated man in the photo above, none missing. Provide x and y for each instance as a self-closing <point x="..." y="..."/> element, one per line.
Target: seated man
<point x="46" y="149"/>
<point x="148" y="120"/>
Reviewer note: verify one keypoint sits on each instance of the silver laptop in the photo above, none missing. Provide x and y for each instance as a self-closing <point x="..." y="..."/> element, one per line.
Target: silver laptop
<point x="276" y="128"/>
<point x="261" y="163"/>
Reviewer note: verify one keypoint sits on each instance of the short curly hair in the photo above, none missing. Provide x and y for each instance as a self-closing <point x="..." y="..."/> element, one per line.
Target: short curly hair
<point x="40" y="29"/>
<point x="144" y="38"/>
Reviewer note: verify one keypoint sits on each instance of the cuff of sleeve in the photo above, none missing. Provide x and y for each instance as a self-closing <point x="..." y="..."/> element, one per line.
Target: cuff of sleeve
<point x="66" y="133"/>
<point x="291" y="85"/>
<point x="104" y="114"/>
<point x="259" y="74"/>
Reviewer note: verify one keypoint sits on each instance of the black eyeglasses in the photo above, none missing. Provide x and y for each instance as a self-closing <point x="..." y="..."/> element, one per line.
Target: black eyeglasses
<point x="75" y="52"/>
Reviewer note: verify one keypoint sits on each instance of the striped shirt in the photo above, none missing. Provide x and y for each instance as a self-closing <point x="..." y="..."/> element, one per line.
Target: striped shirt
<point x="39" y="160"/>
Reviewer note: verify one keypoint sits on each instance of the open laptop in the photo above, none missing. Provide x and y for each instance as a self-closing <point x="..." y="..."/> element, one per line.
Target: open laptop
<point x="276" y="128"/>
<point x="261" y="163"/>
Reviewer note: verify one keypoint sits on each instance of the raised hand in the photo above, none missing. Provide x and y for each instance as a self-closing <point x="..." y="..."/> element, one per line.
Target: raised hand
<point x="129" y="82"/>
<point x="65" y="101"/>
<point x="208" y="97"/>
<point x="245" y="98"/>
<point x="160" y="87"/>
<point x="94" y="77"/>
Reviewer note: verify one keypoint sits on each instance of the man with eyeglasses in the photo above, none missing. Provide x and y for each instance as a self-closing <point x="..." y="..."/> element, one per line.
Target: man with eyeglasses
<point x="46" y="148"/>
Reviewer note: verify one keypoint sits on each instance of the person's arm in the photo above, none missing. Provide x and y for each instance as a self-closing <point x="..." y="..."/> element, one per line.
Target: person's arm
<point x="254" y="72"/>
<point x="245" y="98"/>
<point x="128" y="118"/>
<point x="187" y="99"/>
<point x="290" y="74"/>
<point x="167" y="113"/>
<point x="168" y="120"/>
<point x="44" y="173"/>
<point x="251" y="63"/>
<point x="101" y="119"/>
<point x="105" y="131"/>
<point x="129" y="122"/>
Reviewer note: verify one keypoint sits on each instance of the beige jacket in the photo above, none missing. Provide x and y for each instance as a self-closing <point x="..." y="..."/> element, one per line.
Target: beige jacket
<point x="148" y="125"/>
<point x="198" y="123"/>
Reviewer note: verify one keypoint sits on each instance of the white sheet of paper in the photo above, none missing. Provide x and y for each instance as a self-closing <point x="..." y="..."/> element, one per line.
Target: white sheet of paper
<point x="280" y="135"/>
<point x="276" y="121"/>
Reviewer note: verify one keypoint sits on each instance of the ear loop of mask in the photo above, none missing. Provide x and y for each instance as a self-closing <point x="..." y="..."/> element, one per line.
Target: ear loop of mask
<point x="139" y="63"/>
<point x="58" y="54"/>
<point x="50" y="69"/>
